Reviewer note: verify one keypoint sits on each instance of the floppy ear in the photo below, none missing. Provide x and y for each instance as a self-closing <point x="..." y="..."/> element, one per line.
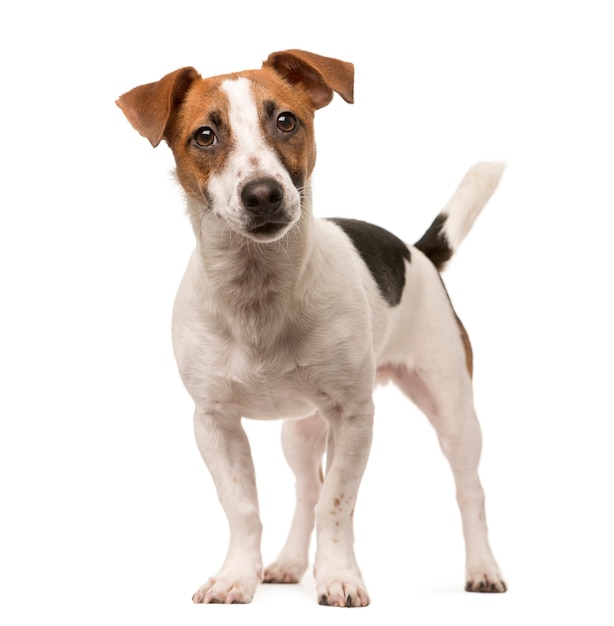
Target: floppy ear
<point x="149" y="108"/>
<point x="319" y="75"/>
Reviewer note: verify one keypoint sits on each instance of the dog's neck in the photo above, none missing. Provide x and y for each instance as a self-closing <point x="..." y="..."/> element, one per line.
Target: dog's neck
<point x="253" y="283"/>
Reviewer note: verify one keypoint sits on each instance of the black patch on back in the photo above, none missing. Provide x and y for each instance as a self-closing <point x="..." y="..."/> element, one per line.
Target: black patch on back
<point x="435" y="244"/>
<point x="383" y="253"/>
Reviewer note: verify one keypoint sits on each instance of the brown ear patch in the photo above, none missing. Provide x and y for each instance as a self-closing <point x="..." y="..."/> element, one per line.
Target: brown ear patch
<point x="150" y="108"/>
<point x="319" y="75"/>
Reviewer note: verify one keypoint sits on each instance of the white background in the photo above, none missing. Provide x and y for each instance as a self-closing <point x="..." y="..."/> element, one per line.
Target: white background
<point x="107" y="513"/>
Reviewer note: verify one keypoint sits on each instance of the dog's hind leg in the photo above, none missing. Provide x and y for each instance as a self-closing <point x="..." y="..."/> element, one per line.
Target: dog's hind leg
<point x="303" y="443"/>
<point x="444" y="393"/>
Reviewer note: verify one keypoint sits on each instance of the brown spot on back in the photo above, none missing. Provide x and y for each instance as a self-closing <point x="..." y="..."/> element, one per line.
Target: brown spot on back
<point x="466" y="346"/>
<point x="463" y="334"/>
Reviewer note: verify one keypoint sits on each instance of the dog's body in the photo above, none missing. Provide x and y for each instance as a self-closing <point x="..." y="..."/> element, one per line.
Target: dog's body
<point x="282" y="315"/>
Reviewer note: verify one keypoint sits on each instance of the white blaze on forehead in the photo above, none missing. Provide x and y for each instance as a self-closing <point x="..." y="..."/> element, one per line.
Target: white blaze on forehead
<point x="243" y="115"/>
<point x="251" y="154"/>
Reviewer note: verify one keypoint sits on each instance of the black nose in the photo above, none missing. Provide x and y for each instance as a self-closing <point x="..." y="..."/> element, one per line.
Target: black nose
<point x="262" y="197"/>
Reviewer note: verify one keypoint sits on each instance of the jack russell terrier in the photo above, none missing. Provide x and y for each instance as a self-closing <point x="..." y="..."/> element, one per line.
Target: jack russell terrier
<point x="282" y="315"/>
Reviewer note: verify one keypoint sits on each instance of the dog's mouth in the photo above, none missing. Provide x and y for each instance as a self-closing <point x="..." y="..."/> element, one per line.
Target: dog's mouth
<point x="267" y="230"/>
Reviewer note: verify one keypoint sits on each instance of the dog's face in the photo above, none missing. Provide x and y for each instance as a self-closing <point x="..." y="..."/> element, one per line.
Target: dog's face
<point x="243" y="143"/>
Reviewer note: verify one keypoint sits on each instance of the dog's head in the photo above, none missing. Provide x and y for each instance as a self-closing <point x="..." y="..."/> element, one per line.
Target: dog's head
<point x="243" y="143"/>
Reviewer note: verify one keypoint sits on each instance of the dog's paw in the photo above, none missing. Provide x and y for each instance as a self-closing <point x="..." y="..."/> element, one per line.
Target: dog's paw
<point x="345" y="590"/>
<point x="284" y="571"/>
<point x="227" y="589"/>
<point x="485" y="580"/>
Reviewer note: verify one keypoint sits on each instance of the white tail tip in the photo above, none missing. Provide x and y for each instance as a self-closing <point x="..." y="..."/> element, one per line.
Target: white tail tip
<point x="470" y="198"/>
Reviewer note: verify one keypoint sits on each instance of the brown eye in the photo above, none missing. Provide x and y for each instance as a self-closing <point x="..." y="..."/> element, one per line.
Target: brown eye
<point x="286" y="122"/>
<point x="205" y="137"/>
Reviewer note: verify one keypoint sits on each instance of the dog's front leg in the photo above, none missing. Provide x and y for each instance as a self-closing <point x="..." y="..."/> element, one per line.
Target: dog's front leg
<point x="338" y="578"/>
<point x="225" y="449"/>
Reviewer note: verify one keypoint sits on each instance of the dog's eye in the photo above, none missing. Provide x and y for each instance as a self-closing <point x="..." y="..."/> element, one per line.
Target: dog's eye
<point x="286" y="122"/>
<point x="205" y="137"/>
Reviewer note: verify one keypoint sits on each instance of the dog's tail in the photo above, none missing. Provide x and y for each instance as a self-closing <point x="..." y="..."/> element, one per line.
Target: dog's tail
<point x="451" y="226"/>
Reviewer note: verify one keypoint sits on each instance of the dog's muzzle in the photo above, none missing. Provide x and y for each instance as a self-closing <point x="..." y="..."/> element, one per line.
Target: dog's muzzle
<point x="263" y="200"/>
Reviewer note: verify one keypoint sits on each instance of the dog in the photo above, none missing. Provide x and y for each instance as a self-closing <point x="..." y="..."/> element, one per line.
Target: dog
<point x="283" y="315"/>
